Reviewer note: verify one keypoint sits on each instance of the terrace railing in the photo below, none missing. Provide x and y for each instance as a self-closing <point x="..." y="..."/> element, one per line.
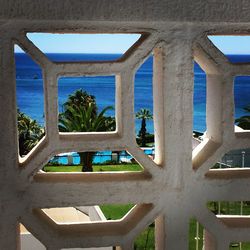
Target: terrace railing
<point x="178" y="183"/>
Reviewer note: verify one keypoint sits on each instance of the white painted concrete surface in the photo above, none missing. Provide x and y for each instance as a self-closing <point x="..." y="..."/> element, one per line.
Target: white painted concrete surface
<point x="178" y="183"/>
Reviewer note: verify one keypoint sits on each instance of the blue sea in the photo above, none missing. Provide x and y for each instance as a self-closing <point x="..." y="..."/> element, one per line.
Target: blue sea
<point x="30" y="87"/>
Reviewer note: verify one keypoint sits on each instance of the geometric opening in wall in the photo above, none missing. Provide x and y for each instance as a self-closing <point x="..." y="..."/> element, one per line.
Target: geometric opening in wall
<point x="238" y="158"/>
<point x="30" y="102"/>
<point x="28" y="241"/>
<point x="86" y="104"/>
<point x="199" y="102"/>
<point x="87" y="214"/>
<point x="195" y="235"/>
<point x="229" y="207"/>
<point x="143" y="105"/>
<point x="242" y="102"/>
<point x="101" y="161"/>
<point x="83" y="47"/>
<point x="146" y="239"/>
<point x="235" y="48"/>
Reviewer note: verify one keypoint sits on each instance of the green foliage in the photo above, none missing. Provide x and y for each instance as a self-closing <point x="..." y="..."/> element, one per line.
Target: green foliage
<point x="29" y="133"/>
<point x="149" y="138"/>
<point x="146" y="239"/>
<point x="81" y="115"/>
<point x="143" y="115"/>
<point x="81" y="119"/>
<point x="96" y="168"/>
<point x="115" y="211"/>
<point x="80" y="98"/>
<point x="118" y="167"/>
<point x="59" y="168"/>
<point x="244" y="121"/>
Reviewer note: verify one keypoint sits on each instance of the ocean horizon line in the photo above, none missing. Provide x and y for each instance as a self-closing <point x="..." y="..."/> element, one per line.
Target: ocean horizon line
<point x="80" y="53"/>
<point x="112" y="53"/>
<point x="30" y="93"/>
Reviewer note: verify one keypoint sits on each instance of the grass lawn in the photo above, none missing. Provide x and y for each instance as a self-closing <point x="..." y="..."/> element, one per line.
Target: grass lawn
<point x="96" y="168"/>
<point x="115" y="212"/>
<point x="146" y="239"/>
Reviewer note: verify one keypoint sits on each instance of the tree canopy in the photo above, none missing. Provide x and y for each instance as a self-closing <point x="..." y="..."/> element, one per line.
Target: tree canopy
<point x="81" y="115"/>
<point x="80" y="99"/>
<point x="29" y="133"/>
<point x="143" y="114"/>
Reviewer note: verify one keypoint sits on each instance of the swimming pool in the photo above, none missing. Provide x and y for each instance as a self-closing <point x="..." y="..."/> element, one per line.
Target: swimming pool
<point x="100" y="157"/>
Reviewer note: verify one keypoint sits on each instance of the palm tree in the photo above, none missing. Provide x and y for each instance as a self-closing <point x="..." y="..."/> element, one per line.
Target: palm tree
<point x="143" y="115"/>
<point x="81" y="98"/>
<point x="83" y="117"/>
<point x="244" y="121"/>
<point x="79" y="119"/>
<point x="29" y="133"/>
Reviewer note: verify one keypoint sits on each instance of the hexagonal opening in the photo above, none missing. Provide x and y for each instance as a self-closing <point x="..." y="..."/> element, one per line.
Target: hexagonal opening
<point x="213" y="104"/>
<point x="86" y="104"/>
<point x="242" y="102"/>
<point x="95" y="213"/>
<point x="28" y="240"/>
<point x="83" y="47"/>
<point x="234" y="47"/>
<point x="90" y="221"/>
<point x="101" y="161"/>
<point x="30" y="101"/>
<point x="143" y="106"/>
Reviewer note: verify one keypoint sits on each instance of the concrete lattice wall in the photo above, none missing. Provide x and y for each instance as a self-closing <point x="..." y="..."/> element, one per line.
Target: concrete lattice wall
<point x="174" y="187"/>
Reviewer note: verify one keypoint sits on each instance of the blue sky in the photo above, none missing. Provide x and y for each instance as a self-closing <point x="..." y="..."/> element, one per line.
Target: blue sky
<point x="119" y="43"/>
<point x="232" y="44"/>
<point x="82" y="43"/>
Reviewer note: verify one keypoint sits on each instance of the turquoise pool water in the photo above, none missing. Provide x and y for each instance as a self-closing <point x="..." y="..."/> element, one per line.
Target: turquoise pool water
<point x="100" y="157"/>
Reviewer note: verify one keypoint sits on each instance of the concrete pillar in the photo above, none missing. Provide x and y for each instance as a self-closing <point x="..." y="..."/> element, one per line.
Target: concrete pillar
<point x="158" y="105"/>
<point x="9" y="232"/>
<point x="214" y="107"/>
<point x="125" y="98"/>
<point x="209" y="241"/>
<point x="177" y="84"/>
<point x="159" y="233"/>
<point x="172" y="231"/>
